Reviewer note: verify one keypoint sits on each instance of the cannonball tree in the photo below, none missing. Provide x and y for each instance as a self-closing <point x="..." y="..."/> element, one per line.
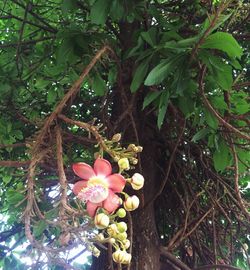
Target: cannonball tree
<point x="124" y="134"/>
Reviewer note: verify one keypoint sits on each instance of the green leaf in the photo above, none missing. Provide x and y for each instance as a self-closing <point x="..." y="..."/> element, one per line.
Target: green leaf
<point x="224" y="42"/>
<point x="139" y="75"/>
<point x="51" y="96"/>
<point x="39" y="228"/>
<point x="222" y="73"/>
<point x="64" y="51"/>
<point x="186" y="105"/>
<point x="68" y="5"/>
<point x="150" y="36"/>
<point x="161" y="71"/>
<point x="163" y="105"/>
<point x="117" y="10"/>
<point x="221" y="157"/>
<point x="222" y="18"/>
<point x="200" y="134"/>
<point x="99" y="85"/>
<point x="150" y="97"/>
<point x="211" y="120"/>
<point x="99" y="11"/>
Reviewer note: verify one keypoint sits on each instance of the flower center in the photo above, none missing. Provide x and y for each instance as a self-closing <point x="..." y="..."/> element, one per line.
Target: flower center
<point x="97" y="180"/>
<point x="96" y="190"/>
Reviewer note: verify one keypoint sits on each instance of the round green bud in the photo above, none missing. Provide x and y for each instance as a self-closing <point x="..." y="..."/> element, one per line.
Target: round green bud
<point x="121" y="213"/>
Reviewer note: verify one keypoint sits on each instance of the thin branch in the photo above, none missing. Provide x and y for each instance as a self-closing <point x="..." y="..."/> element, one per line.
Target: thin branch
<point x="216" y="266"/>
<point x="214" y="112"/>
<point x="236" y="182"/>
<point x="42" y="20"/>
<point x="173" y="259"/>
<point x="11" y="163"/>
<point x="163" y="184"/>
<point x="15" y="145"/>
<point x="2" y="46"/>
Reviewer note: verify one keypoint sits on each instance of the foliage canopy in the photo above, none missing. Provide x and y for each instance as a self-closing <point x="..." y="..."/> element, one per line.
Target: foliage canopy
<point x="171" y="76"/>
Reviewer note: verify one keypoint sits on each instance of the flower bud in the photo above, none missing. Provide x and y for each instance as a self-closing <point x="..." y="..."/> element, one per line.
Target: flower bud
<point x="134" y="161"/>
<point x="131" y="203"/>
<point x="132" y="147"/>
<point x="121" y="213"/>
<point x="96" y="252"/>
<point x="121" y="256"/>
<point x="112" y="230"/>
<point x="127" y="258"/>
<point x="101" y="221"/>
<point x="112" y="241"/>
<point x="122" y="236"/>
<point x="137" y="181"/>
<point x="139" y="149"/>
<point x="123" y="164"/>
<point x="116" y="137"/>
<point x="126" y="243"/>
<point x="122" y="227"/>
<point x="100" y="237"/>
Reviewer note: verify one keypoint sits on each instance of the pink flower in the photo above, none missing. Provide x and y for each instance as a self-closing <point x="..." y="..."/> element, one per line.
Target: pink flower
<point x="98" y="186"/>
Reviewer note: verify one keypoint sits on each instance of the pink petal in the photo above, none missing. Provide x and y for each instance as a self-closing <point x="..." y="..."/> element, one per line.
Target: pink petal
<point x="116" y="182"/>
<point x="83" y="170"/>
<point x="112" y="202"/>
<point x="92" y="207"/>
<point x="78" y="186"/>
<point x="102" y="167"/>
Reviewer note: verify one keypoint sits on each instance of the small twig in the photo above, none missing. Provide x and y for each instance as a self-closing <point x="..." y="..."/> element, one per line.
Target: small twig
<point x="214" y="112"/>
<point x="173" y="259"/>
<point x="221" y="266"/>
<point x="21" y="37"/>
<point x="11" y="163"/>
<point x="14" y="145"/>
<point x="236" y="182"/>
<point x="163" y="184"/>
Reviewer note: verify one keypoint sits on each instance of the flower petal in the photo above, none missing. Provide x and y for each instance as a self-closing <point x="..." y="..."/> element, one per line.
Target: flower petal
<point x="83" y="170"/>
<point x="102" y="167"/>
<point x="116" y="182"/>
<point x="92" y="207"/>
<point x="78" y="186"/>
<point x="112" y="202"/>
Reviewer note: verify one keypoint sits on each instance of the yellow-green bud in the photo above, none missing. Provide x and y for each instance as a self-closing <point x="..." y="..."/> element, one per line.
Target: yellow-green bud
<point x="122" y="236"/>
<point x="126" y="243"/>
<point x="122" y="227"/>
<point x="132" y="147"/>
<point x="112" y="241"/>
<point x="131" y="203"/>
<point x="121" y="213"/>
<point x="121" y="256"/>
<point x="123" y="164"/>
<point x="127" y="258"/>
<point x="96" y="252"/>
<point x="112" y="230"/>
<point x="116" y="137"/>
<point x="139" y="149"/>
<point x="101" y="221"/>
<point x="137" y="181"/>
<point x="134" y="161"/>
<point x="116" y="158"/>
<point x="100" y="237"/>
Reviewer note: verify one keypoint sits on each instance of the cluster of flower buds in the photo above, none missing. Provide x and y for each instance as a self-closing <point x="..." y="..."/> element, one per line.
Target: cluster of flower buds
<point x="121" y="256"/>
<point x="115" y="234"/>
<point x="103" y="194"/>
